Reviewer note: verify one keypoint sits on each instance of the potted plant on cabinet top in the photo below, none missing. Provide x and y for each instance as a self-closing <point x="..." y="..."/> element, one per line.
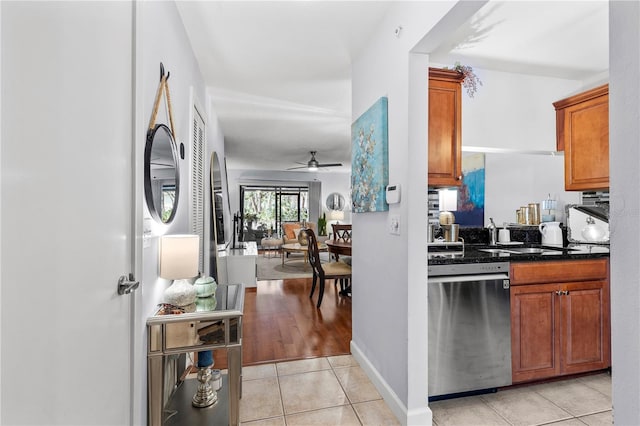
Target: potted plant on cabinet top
<point x="471" y="80"/>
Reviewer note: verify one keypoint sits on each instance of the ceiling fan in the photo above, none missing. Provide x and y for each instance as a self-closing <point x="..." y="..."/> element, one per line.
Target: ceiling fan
<point x="313" y="165"/>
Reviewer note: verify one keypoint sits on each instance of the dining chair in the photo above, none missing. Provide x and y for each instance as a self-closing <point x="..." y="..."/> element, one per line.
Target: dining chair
<point x="341" y="232"/>
<point x="332" y="270"/>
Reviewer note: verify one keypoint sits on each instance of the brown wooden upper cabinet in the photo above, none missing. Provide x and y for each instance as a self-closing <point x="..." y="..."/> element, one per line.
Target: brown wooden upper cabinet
<point x="445" y="128"/>
<point x="582" y="131"/>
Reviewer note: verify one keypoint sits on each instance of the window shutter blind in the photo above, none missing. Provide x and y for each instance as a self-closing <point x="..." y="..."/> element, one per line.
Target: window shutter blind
<point x="197" y="181"/>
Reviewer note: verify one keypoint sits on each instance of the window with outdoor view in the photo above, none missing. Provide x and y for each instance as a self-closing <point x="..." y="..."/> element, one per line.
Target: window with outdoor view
<point x="265" y="208"/>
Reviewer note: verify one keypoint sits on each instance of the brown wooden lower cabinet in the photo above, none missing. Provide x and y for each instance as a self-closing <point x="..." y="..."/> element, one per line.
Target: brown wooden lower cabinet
<point x="560" y="318"/>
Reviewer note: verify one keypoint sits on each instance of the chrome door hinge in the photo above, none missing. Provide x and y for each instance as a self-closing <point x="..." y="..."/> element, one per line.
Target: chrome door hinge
<point x="127" y="284"/>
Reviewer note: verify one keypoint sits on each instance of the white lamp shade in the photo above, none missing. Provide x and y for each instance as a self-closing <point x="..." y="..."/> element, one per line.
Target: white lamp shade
<point x="179" y="256"/>
<point x="448" y="200"/>
<point x="336" y="215"/>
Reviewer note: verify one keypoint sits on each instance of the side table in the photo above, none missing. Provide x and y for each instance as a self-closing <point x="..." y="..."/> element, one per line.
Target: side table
<point x="215" y="325"/>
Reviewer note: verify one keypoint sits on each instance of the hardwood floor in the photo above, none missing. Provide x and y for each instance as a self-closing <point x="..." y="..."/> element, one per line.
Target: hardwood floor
<point x="281" y="323"/>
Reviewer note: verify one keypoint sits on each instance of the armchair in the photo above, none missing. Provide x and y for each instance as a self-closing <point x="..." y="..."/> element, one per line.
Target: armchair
<point x="290" y="231"/>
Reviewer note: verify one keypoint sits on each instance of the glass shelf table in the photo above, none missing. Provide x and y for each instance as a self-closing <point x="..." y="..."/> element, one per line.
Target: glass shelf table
<point x="216" y="324"/>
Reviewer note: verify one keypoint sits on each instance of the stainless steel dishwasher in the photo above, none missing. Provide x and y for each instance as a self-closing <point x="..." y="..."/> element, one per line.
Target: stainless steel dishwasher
<point x="469" y="328"/>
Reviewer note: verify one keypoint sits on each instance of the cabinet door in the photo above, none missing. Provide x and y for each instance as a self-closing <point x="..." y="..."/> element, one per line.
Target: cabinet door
<point x="534" y="341"/>
<point x="585" y="327"/>
<point x="445" y="141"/>
<point x="585" y="132"/>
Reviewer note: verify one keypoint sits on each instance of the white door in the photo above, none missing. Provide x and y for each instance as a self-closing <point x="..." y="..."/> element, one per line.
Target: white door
<point x="67" y="214"/>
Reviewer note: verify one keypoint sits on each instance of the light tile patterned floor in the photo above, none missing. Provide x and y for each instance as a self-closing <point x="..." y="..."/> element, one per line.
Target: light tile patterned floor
<point x="335" y="391"/>
<point x="319" y="391"/>
<point x="580" y="401"/>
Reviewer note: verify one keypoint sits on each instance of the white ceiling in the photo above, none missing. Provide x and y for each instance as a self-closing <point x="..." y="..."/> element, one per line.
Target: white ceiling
<point x="279" y="72"/>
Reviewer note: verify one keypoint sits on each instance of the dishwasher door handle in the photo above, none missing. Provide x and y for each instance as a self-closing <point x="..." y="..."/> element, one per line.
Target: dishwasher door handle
<point x="467" y="278"/>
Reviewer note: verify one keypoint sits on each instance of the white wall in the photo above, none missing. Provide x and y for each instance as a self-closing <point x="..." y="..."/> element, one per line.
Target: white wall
<point x="1" y="171"/>
<point x="514" y="113"/>
<point x="394" y="278"/>
<point x="624" y="141"/>
<point x="163" y="39"/>
<point x="513" y="180"/>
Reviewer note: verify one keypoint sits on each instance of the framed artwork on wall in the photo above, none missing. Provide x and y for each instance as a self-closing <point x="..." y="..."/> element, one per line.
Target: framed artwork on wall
<point x="470" y="210"/>
<point x="370" y="159"/>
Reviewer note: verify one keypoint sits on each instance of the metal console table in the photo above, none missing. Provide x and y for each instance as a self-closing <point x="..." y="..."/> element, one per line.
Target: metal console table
<point x="216" y="324"/>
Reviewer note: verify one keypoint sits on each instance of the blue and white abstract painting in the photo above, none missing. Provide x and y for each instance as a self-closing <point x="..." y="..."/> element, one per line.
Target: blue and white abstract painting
<point x="470" y="211"/>
<point x="370" y="159"/>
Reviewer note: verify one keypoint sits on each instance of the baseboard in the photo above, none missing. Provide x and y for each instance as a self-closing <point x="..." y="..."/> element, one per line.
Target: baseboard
<point x="422" y="416"/>
<point x="389" y="396"/>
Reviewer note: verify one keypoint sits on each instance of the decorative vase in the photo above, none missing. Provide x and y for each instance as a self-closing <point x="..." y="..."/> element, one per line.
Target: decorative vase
<point x="206" y="304"/>
<point x="302" y="237"/>
<point x="205" y="286"/>
<point x="180" y="293"/>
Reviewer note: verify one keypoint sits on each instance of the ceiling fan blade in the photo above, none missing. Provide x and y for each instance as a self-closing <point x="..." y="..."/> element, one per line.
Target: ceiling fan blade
<point x="294" y="168"/>
<point x="330" y="165"/>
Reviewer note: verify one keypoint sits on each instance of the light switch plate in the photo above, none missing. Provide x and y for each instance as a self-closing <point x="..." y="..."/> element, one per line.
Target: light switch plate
<point x="394" y="224"/>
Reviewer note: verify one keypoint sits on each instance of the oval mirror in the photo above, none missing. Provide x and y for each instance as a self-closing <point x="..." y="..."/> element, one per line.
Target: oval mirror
<point x="221" y="211"/>
<point x="161" y="174"/>
<point x="335" y="201"/>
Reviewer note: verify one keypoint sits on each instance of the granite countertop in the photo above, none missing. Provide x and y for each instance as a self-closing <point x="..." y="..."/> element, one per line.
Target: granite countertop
<point x="473" y="253"/>
<point x="473" y="240"/>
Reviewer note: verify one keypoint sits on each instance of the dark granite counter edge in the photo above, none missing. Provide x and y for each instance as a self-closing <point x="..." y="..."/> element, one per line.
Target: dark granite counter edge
<point x="472" y="255"/>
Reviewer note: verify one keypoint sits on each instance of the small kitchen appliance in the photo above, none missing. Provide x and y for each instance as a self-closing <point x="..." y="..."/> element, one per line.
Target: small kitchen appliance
<point x="448" y="226"/>
<point x="551" y="234"/>
<point x="593" y="232"/>
<point x="504" y="236"/>
<point x="587" y="224"/>
<point x="431" y="232"/>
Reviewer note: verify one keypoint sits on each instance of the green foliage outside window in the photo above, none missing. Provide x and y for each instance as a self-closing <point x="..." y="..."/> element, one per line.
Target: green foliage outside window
<point x="260" y="205"/>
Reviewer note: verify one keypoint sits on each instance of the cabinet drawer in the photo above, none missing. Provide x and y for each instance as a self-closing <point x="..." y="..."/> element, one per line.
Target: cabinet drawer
<point x="559" y="271"/>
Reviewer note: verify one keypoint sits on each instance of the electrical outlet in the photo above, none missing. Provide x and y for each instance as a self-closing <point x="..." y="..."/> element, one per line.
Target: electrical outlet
<point x="394" y="225"/>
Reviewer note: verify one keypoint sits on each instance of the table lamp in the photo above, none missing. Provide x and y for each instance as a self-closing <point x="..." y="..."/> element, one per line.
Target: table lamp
<point x="336" y="215"/>
<point x="179" y="258"/>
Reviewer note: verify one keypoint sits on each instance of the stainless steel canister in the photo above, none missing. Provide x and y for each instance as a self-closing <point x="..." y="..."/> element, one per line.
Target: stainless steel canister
<point x="534" y="213"/>
<point x="524" y="212"/>
<point x="454" y="230"/>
